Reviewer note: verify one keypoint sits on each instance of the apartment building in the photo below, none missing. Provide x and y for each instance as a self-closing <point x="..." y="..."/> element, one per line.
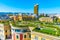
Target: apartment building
<point x="46" y="19"/>
<point x="20" y="33"/>
<point x="2" y="35"/>
<point x="41" y="36"/>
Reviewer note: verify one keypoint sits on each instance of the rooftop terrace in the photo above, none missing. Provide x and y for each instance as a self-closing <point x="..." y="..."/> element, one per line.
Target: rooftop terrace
<point x="47" y="28"/>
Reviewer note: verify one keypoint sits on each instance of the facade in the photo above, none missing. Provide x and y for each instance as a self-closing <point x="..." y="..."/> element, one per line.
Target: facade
<point x="41" y="36"/>
<point x="36" y="9"/>
<point x="14" y="18"/>
<point x="2" y="35"/>
<point x="23" y="17"/>
<point x="46" y="19"/>
<point x="16" y="34"/>
<point x="7" y="31"/>
<point x="28" y="17"/>
<point x="27" y="36"/>
<point x="20" y="33"/>
<point x="19" y="17"/>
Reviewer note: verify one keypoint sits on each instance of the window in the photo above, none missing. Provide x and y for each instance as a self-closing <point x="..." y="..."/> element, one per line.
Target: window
<point x="1" y="30"/>
<point x="17" y="36"/>
<point x="29" y="35"/>
<point x="42" y="38"/>
<point x="5" y="30"/>
<point x="24" y="30"/>
<point x="10" y="30"/>
<point x="10" y="34"/>
<point x="0" y="39"/>
<point x="24" y="36"/>
<point x="17" y="30"/>
<point x="6" y="36"/>
<point x="36" y="37"/>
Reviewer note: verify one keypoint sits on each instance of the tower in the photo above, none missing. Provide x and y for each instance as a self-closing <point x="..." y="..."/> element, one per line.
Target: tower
<point x="36" y="9"/>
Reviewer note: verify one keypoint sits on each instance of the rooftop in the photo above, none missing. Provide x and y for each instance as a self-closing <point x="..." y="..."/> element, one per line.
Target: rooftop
<point x="47" y="28"/>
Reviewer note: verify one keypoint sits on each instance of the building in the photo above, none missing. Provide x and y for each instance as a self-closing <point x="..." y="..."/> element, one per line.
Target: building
<point x="13" y="17"/>
<point x="41" y="36"/>
<point x="2" y="35"/>
<point x="25" y="17"/>
<point x="36" y="9"/>
<point x="31" y="17"/>
<point x="46" y="19"/>
<point x="7" y="31"/>
<point x="20" y="33"/>
<point x="19" y="17"/>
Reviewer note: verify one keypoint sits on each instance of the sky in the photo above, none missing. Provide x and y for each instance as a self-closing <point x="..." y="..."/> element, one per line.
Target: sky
<point x="45" y="6"/>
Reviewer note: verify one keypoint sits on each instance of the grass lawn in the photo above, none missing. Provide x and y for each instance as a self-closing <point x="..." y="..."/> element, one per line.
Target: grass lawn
<point x="49" y="31"/>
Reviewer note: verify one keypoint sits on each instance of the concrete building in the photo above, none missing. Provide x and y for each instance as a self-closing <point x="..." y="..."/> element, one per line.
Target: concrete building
<point x="19" y="17"/>
<point x="23" y="17"/>
<point x="41" y="36"/>
<point x="7" y="31"/>
<point x="36" y="9"/>
<point x="31" y="17"/>
<point x="20" y="33"/>
<point x="2" y="35"/>
<point x="46" y="19"/>
<point x="16" y="17"/>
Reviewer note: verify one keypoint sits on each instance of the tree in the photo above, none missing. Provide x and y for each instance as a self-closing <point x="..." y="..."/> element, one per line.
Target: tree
<point x="55" y="19"/>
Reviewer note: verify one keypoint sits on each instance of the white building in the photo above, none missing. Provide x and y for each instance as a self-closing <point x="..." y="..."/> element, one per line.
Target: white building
<point x="2" y="35"/>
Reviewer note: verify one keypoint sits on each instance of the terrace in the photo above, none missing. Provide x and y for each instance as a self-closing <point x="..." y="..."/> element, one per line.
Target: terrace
<point x="47" y="28"/>
<point x="23" y="24"/>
